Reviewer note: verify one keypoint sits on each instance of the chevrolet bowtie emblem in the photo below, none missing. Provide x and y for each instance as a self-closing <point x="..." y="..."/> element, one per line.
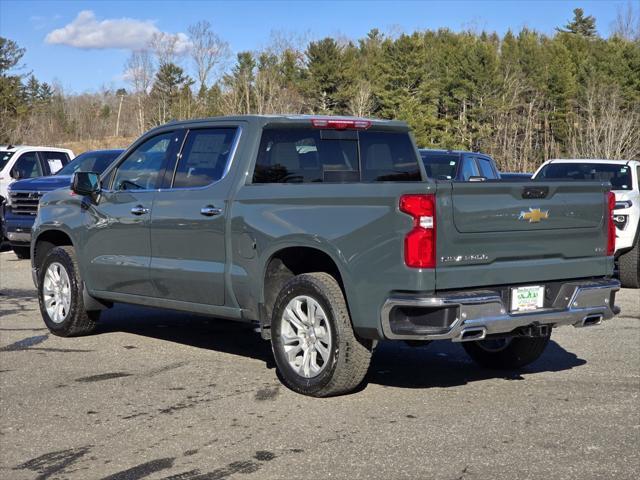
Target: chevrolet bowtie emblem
<point x="534" y="215"/>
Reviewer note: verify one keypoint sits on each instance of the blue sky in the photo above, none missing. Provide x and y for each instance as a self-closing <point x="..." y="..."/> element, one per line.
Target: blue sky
<point x="246" y="25"/>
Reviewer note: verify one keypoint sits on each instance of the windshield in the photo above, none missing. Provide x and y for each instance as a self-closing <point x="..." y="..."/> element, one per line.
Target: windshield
<point x="90" y="162"/>
<point x="618" y="175"/>
<point x="440" y="166"/>
<point x="4" y="158"/>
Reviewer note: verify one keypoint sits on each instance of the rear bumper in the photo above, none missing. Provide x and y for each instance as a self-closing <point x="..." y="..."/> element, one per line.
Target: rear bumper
<point x="472" y="315"/>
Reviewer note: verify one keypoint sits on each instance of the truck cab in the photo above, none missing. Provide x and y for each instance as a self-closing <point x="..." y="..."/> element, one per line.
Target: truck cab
<point x="458" y="165"/>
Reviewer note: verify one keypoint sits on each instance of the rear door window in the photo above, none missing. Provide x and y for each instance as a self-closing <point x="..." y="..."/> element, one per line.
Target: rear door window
<point x="306" y="155"/>
<point x="204" y="157"/>
<point x="54" y="161"/>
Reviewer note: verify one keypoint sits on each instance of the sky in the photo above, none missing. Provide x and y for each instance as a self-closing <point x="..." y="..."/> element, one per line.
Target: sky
<point x="83" y="45"/>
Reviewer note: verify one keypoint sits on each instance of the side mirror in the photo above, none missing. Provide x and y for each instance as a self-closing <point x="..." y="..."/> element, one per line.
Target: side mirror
<point x="15" y="174"/>
<point x="86" y="183"/>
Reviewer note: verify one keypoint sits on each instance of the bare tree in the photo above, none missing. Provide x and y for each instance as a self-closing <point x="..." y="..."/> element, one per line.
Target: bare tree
<point x="605" y="128"/>
<point x="139" y="72"/>
<point x="362" y="103"/>
<point x="627" y="23"/>
<point x="207" y="49"/>
<point x="165" y="47"/>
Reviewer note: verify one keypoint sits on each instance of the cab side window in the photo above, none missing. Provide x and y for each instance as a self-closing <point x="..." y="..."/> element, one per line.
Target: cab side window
<point x="28" y="166"/>
<point x="142" y="168"/>
<point x="204" y="157"/>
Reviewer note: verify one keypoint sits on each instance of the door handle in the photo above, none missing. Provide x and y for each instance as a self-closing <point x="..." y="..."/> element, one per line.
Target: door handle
<point x="210" y="211"/>
<point x="139" y="210"/>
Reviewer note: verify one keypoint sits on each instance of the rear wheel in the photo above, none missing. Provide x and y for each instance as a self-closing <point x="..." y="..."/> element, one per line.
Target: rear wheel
<point x="629" y="266"/>
<point x="22" y="253"/>
<point x="506" y="353"/>
<point x="315" y="348"/>
<point x="60" y="295"/>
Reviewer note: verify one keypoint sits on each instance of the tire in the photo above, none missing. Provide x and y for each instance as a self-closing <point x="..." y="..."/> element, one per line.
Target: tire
<point x="515" y="353"/>
<point x="23" y="253"/>
<point x="344" y="358"/>
<point x="72" y="319"/>
<point x="629" y="266"/>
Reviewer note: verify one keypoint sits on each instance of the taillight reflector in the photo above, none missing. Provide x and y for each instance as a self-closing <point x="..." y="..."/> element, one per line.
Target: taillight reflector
<point x="611" y="229"/>
<point x="420" y="242"/>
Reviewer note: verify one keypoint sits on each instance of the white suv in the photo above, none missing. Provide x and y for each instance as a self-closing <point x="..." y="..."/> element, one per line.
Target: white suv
<point x="26" y="162"/>
<point x="624" y="176"/>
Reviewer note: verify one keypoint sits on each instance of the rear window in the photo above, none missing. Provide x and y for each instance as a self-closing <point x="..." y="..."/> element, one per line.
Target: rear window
<point x="618" y="175"/>
<point x="306" y="155"/>
<point x="440" y="166"/>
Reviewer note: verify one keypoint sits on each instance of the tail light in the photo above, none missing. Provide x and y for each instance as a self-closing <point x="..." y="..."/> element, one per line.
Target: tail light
<point x="420" y="242"/>
<point x="611" y="226"/>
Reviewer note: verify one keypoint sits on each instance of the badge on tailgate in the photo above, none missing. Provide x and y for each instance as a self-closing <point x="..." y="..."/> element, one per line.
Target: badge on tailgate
<point x="534" y="215"/>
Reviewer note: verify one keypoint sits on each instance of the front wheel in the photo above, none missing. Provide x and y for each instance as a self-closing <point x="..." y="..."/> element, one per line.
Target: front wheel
<point x="315" y="348"/>
<point x="506" y="353"/>
<point x="60" y="295"/>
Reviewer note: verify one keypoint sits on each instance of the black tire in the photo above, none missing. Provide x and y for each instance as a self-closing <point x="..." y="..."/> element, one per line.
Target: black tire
<point x="349" y="357"/>
<point x="77" y="320"/>
<point x="629" y="266"/>
<point x="516" y="353"/>
<point x="23" y="253"/>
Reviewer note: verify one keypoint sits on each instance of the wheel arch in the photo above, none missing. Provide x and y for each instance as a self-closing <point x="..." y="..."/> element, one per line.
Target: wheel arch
<point x="287" y="261"/>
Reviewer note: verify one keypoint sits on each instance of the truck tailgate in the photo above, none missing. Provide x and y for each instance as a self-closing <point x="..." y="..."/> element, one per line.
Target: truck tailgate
<point x="509" y="233"/>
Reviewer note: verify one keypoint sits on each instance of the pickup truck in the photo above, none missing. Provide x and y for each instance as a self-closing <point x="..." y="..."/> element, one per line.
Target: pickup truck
<point x="23" y="196"/>
<point x="624" y="176"/>
<point x="326" y="233"/>
<point x="458" y="165"/>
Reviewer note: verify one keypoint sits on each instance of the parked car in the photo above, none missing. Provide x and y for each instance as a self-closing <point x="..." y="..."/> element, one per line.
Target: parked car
<point x="515" y="177"/>
<point x="327" y="234"/>
<point x="18" y="162"/>
<point x="624" y="176"/>
<point x="25" y="161"/>
<point x="23" y="196"/>
<point x="458" y="166"/>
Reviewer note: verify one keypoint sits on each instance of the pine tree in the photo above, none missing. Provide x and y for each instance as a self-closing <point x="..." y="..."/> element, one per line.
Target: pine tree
<point x="581" y="25"/>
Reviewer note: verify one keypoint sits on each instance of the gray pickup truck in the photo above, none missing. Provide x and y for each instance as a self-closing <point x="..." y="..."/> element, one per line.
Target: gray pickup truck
<point x="328" y="235"/>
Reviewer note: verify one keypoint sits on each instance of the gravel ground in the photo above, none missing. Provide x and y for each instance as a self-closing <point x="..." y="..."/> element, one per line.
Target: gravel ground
<point x="163" y="395"/>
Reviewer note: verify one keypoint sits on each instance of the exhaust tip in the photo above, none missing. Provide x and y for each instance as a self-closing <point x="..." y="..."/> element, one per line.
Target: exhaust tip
<point x="590" y="321"/>
<point x="472" y="334"/>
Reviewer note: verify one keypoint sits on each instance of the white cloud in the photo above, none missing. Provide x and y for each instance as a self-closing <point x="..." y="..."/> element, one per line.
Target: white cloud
<point x="85" y="31"/>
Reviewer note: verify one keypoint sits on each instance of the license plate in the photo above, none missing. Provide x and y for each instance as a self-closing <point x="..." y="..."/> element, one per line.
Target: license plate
<point x="527" y="298"/>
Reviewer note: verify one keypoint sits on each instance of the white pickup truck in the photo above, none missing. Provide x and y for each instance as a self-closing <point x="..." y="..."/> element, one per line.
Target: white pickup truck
<point x="23" y="161"/>
<point x="624" y="176"/>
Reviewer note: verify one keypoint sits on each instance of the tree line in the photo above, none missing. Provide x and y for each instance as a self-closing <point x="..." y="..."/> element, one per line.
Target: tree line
<point x="522" y="97"/>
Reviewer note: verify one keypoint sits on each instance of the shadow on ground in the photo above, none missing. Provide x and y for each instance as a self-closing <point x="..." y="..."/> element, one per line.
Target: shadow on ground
<point x="394" y="364"/>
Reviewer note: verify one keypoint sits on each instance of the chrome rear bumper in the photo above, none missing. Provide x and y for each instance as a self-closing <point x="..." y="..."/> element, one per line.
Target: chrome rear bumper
<point x="483" y="312"/>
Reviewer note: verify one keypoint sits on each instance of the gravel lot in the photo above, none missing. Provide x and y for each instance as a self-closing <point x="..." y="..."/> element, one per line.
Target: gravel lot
<point x="162" y="395"/>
